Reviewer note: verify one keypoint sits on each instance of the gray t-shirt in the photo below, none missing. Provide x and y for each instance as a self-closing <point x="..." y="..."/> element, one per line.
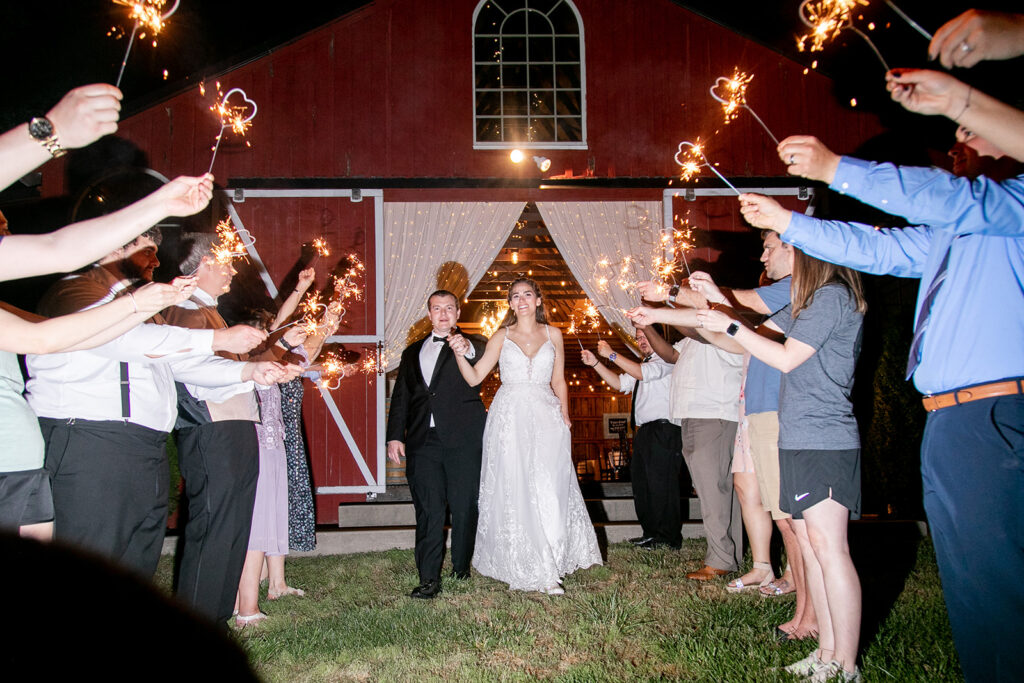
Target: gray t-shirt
<point x="814" y="399"/>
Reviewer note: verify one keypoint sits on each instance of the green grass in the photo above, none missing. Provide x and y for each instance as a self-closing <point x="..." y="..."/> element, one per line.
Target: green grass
<point x="637" y="618"/>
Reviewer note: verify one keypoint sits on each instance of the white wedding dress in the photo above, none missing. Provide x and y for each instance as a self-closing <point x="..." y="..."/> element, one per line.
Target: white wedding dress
<point x="534" y="527"/>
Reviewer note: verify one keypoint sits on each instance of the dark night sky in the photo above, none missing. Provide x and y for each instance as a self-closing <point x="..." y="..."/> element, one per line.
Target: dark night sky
<point x="49" y="52"/>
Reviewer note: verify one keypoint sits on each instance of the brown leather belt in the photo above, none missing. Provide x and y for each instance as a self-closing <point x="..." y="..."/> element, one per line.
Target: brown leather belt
<point x="954" y="398"/>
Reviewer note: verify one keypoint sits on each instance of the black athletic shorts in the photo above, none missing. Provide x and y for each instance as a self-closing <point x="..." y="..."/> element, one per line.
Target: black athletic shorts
<point x="807" y="477"/>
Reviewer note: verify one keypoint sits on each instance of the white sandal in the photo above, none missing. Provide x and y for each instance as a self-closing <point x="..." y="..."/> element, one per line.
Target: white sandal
<point x="737" y="585"/>
<point x="243" y="620"/>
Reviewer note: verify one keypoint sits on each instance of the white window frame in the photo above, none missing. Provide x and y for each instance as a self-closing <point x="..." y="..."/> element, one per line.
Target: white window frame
<point x="581" y="144"/>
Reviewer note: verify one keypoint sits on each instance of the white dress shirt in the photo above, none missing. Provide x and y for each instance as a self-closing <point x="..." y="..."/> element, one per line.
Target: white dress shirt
<point x="652" y="401"/>
<point x="705" y="382"/>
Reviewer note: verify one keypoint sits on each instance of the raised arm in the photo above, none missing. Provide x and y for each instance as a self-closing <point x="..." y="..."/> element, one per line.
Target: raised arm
<point x="978" y="35"/>
<point x="590" y="360"/>
<point x="784" y="357"/>
<point x="291" y="302"/>
<point x="475" y="374"/>
<point x="558" y="383"/>
<point x="82" y="116"/>
<point x="627" y="365"/>
<point x="82" y="243"/>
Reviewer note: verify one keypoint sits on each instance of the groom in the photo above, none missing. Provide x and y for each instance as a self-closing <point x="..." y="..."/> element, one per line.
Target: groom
<point x="437" y="421"/>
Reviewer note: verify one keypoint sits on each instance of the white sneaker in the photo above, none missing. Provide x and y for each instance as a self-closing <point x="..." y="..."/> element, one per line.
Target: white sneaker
<point x="805" y="667"/>
<point x="834" y="671"/>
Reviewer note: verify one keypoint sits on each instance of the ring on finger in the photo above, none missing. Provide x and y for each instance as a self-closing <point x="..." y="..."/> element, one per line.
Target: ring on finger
<point x="792" y="159"/>
<point x="964" y="47"/>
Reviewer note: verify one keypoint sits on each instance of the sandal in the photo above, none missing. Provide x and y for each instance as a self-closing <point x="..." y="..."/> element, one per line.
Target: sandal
<point x="243" y="620"/>
<point x="774" y="589"/>
<point x="737" y="585"/>
<point x="288" y="590"/>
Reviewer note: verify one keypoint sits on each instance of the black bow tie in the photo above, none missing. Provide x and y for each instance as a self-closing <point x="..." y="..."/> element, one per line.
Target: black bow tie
<point x="440" y="340"/>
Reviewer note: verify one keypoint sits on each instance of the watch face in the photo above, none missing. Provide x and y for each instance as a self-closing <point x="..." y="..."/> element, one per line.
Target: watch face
<point x="40" y="128"/>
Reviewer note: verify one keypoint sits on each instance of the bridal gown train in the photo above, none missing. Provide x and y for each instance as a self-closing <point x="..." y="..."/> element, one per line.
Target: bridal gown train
<point x="534" y="527"/>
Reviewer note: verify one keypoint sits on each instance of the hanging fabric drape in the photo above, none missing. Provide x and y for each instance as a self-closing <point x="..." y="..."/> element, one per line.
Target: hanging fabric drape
<point x="435" y="245"/>
<point x="625" y="234"/>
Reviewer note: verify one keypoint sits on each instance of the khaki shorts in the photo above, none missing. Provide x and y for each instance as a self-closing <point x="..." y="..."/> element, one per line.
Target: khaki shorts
<point x="764" y="449"/>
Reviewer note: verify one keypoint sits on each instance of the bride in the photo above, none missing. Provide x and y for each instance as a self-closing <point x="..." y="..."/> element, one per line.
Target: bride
<point x="534" y="527"/>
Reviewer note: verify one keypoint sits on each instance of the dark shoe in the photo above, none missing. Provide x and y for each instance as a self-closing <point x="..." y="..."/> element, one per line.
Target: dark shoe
<point x="427" y="589"/>
<point x="460" y="575"/>
<point x="640" y="540"/>
<point x="654" y="544"/>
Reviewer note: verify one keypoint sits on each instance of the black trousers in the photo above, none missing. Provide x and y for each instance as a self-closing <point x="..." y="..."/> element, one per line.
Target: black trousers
<point x="441" y="478"/>
<point x="220" y="464"/>
<point x="655" y="468"/>
<point x="110" y="483"/>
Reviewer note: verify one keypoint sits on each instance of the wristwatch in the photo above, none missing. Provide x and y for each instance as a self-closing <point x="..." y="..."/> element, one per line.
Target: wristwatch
<point x="733" y="328"/>
<point x="41" y="130"/>
<point x="673" y="292"/>
<point x="612" y="356"/>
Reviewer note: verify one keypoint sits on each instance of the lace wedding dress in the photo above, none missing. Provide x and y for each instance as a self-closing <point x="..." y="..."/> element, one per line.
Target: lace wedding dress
<point x="534" y="527"/>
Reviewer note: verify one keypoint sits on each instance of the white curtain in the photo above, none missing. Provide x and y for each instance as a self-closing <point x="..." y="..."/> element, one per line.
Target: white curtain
<point x="435" y="245"/>
<point x="626" y="235"/>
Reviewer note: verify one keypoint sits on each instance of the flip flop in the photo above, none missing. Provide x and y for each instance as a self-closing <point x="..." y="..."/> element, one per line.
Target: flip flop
<point x="776" y="588"/>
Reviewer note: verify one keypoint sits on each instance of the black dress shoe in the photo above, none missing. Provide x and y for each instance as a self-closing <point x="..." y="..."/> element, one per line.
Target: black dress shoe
<point x="460" y="575"/>
<point x="426" y="590"/>
<point x="640" y="540"/>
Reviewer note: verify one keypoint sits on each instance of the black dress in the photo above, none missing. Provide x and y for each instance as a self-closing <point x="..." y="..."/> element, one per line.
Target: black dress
<point x="301" y="516"/>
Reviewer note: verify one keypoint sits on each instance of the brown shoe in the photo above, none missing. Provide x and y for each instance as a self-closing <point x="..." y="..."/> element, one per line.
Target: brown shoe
<point x="707" y="573"/>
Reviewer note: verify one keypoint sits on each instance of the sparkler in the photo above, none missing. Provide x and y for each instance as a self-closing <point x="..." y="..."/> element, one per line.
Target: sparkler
<point x="736" y="99"/>
<point x="693" y="159"/>
<point x="332" y="371"/>
<point x="231" y="116"/>
<point x="493" y="315"/>
<point x="585" y="317"/>
<point x="230" y="244"/>
<point x="827" y="19"/>
<point x="148" y="14"/>
<point x="913" y="24"/>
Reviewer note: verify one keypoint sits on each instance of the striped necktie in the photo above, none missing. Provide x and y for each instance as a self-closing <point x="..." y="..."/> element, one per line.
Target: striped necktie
<point x="922" y="316"/>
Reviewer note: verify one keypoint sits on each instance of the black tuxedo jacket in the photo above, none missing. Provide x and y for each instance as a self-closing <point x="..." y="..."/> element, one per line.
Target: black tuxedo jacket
<point x="459" y="414"/>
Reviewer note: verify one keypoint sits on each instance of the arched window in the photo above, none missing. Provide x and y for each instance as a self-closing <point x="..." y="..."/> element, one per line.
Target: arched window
<point x="529" y="75"/>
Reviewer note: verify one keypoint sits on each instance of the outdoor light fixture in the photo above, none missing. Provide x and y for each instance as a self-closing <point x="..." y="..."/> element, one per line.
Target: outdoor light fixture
<point x="543" y="163"/>
<point x="515" y="257"/>
<point x="516" y="156"/>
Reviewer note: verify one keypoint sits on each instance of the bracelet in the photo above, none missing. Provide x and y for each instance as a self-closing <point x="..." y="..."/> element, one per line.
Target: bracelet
<point x="612" y="356"/>
<point x="967" y="104"/>
<point x="596" y="363"/>
<point x="134" y="304"/>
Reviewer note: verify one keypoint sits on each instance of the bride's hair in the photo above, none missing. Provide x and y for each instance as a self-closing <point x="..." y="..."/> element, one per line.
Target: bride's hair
<point x="510" y="316"/>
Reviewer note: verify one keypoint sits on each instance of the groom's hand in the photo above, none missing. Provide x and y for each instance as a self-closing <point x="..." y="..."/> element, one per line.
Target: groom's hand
<point x="458" y="344"/>
<point x="396" y="451"/>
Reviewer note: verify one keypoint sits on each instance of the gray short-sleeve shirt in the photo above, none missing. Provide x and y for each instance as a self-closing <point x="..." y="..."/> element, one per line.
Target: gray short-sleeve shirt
<point x="815" y="411"/>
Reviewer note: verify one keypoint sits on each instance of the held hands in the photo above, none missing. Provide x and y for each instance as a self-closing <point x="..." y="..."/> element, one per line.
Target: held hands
<point x="86" y="114"/>
<point x="396" y="451"/>
<point x="764" y="212"/>
<point x="651" y="291"/>
<point x="185" y="195"/>
<point x="238" y="339"/>
<point x="702" y="282"/>
<point x="976" y="35"/>
<point x="713" y="321"/>
<point x="458" y="344"/>
<point x="805" y="155"/>
<point x="588" y="358"/>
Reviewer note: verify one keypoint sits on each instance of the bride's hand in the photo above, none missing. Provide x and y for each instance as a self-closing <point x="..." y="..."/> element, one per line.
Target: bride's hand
<point x="565" y="419"/>
<point x="459" y="344"/>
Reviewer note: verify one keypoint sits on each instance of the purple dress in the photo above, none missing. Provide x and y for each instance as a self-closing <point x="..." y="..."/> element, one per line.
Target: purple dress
<point x="270" y="512"/>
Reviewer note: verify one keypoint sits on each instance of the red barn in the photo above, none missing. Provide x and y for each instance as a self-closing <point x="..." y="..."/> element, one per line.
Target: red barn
<point x="388" y="131"/>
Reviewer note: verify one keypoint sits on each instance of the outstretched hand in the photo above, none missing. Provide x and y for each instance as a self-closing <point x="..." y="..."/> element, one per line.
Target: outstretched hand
<point x="238" y="339"/>
<point x="588" y="358"/>
<point x="306" y="277"/>
<point x="86" y="114"/>
<point x="764" y="212"/>
<point x="651" y="291"/>
<point x="713" y="321"/>
<point x="155" y="297"/>
<point x="642" y="315"/>
<point x="807" y="156"/>
<point x="977" y="35"/>
<point x="185" y="195"/>
<point x="702" y="282"/>
<point x="928" y="92"/>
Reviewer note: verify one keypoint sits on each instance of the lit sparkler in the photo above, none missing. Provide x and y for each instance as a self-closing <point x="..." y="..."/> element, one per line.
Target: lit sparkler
<point x="736" y="98"/>
<point x="693" y="158"/>
<point x="320" y="247"/>
<point x="827" y="19"/>
<point x="148" y="15"/>
<point x="586" y="317"/>
<point x="236" y="117"/>
<point x="494" y="314"/>
<point x="230" y="243"/>
<point x="332" y="371"/>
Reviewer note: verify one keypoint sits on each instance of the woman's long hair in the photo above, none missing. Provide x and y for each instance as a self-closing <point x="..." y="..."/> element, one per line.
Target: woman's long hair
<point x="510" y="315"/>
<point x="811" y="274"/>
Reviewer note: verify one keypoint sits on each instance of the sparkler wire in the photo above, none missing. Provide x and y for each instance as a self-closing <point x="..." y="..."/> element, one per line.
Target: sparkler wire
<point x="913" y="24"/>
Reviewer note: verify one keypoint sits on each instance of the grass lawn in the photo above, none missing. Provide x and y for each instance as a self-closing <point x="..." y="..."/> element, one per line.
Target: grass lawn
<point x="636" y="618"/>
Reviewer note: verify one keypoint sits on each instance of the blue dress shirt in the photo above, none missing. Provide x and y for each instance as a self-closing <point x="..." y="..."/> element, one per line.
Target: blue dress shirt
<point x="976" y="329"/>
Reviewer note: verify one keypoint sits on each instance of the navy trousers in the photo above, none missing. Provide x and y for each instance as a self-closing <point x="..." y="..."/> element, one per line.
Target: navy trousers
<point x="972" y="464"/>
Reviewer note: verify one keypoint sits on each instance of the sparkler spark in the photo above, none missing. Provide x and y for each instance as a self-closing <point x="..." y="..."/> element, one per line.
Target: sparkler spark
<point x="827" y="19"/>
<point x="147" y="14"/>
<point x="320" y="245"/>
<point x="230" y="244"/>
<point x="236" y="117"/>
<point x="692" y="161"/>
<point x="736" y="98"/>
